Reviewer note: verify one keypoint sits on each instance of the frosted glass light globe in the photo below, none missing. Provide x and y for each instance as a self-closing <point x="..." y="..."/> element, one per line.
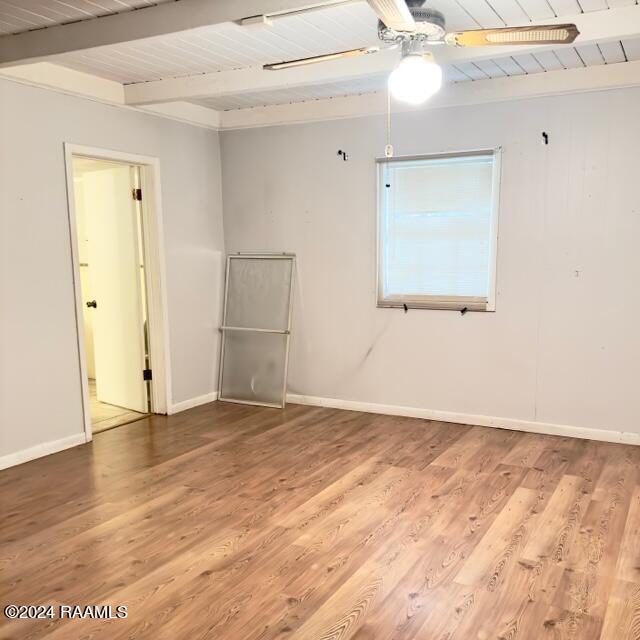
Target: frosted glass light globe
<point x="415" y="79"/>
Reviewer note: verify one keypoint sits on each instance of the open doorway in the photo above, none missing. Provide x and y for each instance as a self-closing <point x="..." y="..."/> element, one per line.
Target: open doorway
<point x="112" y="282"/>
<point x="119" y="293"/>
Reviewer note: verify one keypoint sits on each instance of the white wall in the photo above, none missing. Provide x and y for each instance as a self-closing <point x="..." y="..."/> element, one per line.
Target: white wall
<point x="40" y="395"/>
<point x="562" y="347"/>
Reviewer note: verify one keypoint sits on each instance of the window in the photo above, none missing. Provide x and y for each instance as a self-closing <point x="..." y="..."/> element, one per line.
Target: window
<point x="437" y="230"/>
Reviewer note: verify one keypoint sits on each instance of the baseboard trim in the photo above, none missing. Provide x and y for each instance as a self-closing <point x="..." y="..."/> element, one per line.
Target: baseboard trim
<point x="545" y="428"/>
<point x="192" y="402"/>
<point x="41" y="450"/>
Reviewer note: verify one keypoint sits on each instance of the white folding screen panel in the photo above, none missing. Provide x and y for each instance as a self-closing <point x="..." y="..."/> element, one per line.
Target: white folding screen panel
<point x="256" y="329"/>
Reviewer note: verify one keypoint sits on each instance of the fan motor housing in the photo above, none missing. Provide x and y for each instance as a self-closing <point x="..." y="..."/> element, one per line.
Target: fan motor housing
<point x="429" y="22"/>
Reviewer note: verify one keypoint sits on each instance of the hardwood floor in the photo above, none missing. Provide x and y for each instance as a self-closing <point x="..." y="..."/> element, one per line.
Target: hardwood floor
<point x="230" y="522"/>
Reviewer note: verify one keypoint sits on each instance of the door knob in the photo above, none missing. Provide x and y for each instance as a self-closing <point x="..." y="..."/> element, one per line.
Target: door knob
<point x="92" y="303"/>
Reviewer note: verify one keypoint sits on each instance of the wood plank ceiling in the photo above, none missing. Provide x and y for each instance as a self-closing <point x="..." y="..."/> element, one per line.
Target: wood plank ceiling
<point x="230" y="46"/>
<point x="530" y="63"/>
<point x="17" y="16"/>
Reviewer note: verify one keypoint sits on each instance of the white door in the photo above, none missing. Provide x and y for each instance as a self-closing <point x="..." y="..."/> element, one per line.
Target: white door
<point x="114" y="273"/>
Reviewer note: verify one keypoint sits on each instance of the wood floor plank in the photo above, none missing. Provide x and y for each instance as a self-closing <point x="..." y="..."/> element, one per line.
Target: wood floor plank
<point x="569" y="625"/>
<point x="560" y="521"/>
<point x="347" y="547"/>
<point x="501" y="540"/>
<point x="622" y="621"/>
<point x="232" y="522"/>
<point x="583" y="594"/>
<point x="628" y="567"/>
<point x="478" y="450"/>
<point x="446" y="543"/>
<point x="329" y="562"/>
<point x="526" y="450"/>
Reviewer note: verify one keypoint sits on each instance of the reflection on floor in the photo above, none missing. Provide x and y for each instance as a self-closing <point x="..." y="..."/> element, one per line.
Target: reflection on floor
<point x="105" y="416"/>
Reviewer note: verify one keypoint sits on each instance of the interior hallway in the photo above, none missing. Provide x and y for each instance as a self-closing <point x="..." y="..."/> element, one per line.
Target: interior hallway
<point x="106" y="416"/>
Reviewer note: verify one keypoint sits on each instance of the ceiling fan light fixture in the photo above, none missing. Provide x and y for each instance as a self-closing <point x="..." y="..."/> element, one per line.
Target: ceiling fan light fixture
<point x="416" y="78"/>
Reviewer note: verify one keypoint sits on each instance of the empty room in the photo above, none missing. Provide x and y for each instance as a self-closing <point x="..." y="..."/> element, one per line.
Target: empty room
<point x="318" y="320"/>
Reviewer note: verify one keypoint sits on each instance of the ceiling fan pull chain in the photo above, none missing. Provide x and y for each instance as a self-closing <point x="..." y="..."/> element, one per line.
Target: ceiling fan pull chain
<point x="388" y="150"/>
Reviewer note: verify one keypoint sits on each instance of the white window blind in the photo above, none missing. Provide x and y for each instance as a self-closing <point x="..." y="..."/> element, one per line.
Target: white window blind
<point x="437" y="231"/>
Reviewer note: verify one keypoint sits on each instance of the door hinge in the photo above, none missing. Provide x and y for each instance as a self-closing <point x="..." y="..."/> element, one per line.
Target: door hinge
<point x="147" y="374"/>
<point x="137" y="194"/>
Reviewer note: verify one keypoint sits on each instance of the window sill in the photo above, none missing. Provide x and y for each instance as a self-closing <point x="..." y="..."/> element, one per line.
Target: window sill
<point x="434" y="304"/>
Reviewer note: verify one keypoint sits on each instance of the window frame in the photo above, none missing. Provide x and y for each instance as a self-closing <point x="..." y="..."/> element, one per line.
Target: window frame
<point x="452" y="303"/>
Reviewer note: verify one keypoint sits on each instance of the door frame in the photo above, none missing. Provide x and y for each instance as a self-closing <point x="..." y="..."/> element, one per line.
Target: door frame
<point x="155" y="273"/>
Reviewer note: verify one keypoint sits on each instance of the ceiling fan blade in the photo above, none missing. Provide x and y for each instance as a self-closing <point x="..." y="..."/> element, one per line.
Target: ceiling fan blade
<point x="351" y="53"/>
<point x="394" y="14"/>
<point x="541" y="34"/>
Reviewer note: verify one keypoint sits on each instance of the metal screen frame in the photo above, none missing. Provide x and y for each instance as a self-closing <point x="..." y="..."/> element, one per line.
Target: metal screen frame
<point x="286" y="332"/>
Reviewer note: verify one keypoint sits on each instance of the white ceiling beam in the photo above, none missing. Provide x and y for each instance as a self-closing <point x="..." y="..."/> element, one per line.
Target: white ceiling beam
<point x="77" y="83"/>
<point x="597" y="26"/>
<point x="596" y="78"/>
<point x="252" y="79"/>
<point x="146" y="22"/>
<point x="185" y="112"/>
<point x="46" y="74"/>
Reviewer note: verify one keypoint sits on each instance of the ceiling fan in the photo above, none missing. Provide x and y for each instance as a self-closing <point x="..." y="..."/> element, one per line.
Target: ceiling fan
<point x="414" y="27"/>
